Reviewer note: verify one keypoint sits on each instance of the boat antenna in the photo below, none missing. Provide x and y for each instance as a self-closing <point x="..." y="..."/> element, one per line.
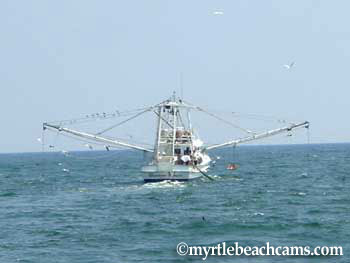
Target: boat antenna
<point x="181" y="86"/>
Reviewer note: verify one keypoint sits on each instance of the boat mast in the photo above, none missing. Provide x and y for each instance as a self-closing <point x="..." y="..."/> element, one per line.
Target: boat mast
<point x="190" y="128"/>
<point x="189" y="120"/>
<point x="174" y="124"/>
<point x="159" y="130"/>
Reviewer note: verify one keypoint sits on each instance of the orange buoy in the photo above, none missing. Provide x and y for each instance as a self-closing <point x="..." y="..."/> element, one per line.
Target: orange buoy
<point x="232" y="166"/>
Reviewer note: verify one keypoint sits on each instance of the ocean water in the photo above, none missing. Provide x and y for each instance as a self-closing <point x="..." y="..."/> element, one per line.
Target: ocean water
<point x="94" y="206"/>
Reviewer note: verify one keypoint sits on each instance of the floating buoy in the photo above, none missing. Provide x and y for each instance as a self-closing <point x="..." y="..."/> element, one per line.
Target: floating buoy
<point x="232" y="166"/>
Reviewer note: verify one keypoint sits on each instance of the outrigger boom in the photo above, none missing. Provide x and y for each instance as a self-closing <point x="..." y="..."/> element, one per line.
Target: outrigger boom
<point x="95" y="137"/>
<point x="262" y="135"/>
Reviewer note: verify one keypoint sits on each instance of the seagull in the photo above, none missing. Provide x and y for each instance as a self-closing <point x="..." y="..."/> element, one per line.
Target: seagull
<point x="89" y="146"/>
<point x="39" y="140"/>
<point x="218" y="13"/>
<point x="289" y="66"/>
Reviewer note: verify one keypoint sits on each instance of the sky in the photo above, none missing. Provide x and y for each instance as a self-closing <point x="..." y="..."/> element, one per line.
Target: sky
<point x="64" y="59"/>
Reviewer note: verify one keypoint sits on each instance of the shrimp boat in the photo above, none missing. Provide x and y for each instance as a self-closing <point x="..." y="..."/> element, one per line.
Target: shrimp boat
<point x="178" y="153"/>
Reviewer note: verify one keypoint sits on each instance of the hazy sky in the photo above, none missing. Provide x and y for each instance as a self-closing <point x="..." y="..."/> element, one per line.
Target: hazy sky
<point x="64" y="59"/>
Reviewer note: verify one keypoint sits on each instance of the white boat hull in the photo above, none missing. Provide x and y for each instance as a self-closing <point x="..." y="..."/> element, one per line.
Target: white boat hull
<point x="158" y="173"/>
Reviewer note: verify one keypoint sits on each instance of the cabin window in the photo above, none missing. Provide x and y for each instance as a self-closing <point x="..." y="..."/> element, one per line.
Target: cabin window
<point x="177" y="151"/>
<point x="187" y="151"/>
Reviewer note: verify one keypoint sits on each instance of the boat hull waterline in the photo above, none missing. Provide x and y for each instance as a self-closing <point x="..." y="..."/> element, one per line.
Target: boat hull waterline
<point x="153" y="173"/>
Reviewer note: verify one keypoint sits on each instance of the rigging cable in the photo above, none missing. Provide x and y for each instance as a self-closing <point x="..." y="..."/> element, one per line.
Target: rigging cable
<point x="203" y="173"/>
<point x="124" y="121"/>
<point x="133" y="117"/>
<point x="308" y="149"/>
<point x="99" y="116"/>
<point x="69" y="154"/>
<point x="220" y="119"/>
<point x="43" y="138"/>
<point x="94" y="142"/>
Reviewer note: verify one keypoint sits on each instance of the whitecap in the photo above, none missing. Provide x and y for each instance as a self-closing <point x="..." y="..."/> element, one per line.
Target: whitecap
<point x="273" y="191"/>
<point x="258" y="214"/>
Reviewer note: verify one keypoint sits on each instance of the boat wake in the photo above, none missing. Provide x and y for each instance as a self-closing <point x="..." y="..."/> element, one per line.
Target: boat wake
<point x="166" y="184"/>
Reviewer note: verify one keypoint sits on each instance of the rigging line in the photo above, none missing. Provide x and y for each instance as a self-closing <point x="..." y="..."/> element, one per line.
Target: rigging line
<point x="181" y="85"/>
<point x="55" y="139"/>
<point x="203" y="173"/>
<point x="234" y="152"/>
<point x="99" y="116"/>
<point x="124" y="121"/>
<point x="96" y="143"/>
<point x="78" y="139"/>
<point x="99" y="157"/>
<point x="128" y="140"/>
<point x="218" y="118"/>
<point x="308" y="149"/>
<point x="180" y="118"/>
<point x="103" y="156"/>
<point x="252" y="117"/>
<point x="42" y="140"/>
<point x="171" y="126"/>
<point x="71" y="154"/>
<point x="133" y="117"/>
<point x="262" y="117"/>
<point x="225" y="121"/>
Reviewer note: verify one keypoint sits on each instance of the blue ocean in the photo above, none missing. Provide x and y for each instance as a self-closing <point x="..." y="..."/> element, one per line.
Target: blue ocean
<point x="94" y="207"/>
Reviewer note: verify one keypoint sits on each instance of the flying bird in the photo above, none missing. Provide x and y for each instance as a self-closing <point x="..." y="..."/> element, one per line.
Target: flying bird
<point x="218" y="13"/>
<point x="89" y="146"/>
<point x="289" y="66"/>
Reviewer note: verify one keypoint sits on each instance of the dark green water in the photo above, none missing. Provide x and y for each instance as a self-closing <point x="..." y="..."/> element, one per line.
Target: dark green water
<point x="101" y="211"/>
